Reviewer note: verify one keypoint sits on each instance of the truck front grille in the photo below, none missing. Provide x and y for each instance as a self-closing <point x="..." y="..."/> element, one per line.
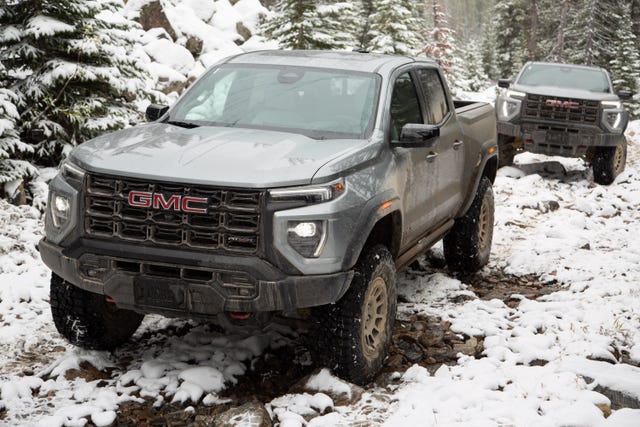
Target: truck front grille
<point x="231" y="222"/>
<point x="559" y="109"/>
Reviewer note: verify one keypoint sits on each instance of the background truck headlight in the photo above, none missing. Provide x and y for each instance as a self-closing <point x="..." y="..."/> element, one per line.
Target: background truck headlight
<point x="510" y="105"/>
<point x="307" y="237"/>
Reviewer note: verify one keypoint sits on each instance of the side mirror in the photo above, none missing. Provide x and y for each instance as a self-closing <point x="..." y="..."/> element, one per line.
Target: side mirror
<point x="417" y="135"/>
<point x="625" y="95"/>
<point x="155" y="111"/>
<point x="505" y="83"/>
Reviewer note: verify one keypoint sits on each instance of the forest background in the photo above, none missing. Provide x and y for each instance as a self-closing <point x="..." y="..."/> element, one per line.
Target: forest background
<point x="71" y="70"/>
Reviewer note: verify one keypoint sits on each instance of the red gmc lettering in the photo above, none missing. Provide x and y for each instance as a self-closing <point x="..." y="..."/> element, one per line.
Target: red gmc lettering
<point x="186" y="200"/>
<point x="140" y="198"/>
<point x="145" y="199"/>
<point x="160" y="202"/>
<point x="558" y="103"/>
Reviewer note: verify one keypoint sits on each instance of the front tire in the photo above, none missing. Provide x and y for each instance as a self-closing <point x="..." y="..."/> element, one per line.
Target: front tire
<point x="467" y="246"/>
<point x="609" y="162"/>
<point x="87" y="320"/>
<point x="353" y="335"/>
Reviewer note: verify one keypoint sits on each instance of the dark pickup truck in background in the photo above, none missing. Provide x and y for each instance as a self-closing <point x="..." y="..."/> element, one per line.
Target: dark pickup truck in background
<point x="564" y="110"/>
<point x="278" y="181"/>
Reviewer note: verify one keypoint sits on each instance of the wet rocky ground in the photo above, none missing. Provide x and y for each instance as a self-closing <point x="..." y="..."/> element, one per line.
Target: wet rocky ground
<point x="424" y="340"/>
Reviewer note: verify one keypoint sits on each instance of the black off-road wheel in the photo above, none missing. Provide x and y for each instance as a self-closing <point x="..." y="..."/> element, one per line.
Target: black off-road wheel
<point x="609" y="162"/>
<point x="467" y="246"/>
<point x="87" y="320"/>
<point x="506" y="150"/>
<point x="352" y="336"/>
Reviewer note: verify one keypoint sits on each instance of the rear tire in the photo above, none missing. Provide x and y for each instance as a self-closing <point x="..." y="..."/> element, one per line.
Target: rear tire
<point x="353" y="335"/>
<point x="87" y="320"/>
<point x="467" y="246"/>
<point x="609" y="162"/>
<point x="506" y="150"/>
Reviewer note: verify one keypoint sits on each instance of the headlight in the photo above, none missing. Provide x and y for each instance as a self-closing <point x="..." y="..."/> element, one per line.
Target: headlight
<point x="307" y="237"/>
<point x="60" y="207"/>
<point x="72" y="173"/>
<point x="613" y="115"/>
<point x="509" y="104"/>
<point x="617" y="105"/>
<point x="515" y="94"/>
<point x="308" y="195"/>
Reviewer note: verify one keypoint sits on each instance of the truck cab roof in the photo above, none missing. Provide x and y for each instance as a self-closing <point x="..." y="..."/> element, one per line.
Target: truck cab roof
<point x="351" y="61"/>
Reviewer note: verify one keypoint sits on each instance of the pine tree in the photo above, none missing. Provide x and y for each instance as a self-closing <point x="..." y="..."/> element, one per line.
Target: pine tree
<point x="441" y="45"/>
<point x="472" y="77"/>
<point x="305" y="24"/>
<point x="625" y="65"/>
<point x="488" y="49"/>
<point x="509" y="22"/>
<point x="394" y="29"/>
<point x="12" y="168"/>
<point x="590" y="40"/>
<point x="71" y="59"/>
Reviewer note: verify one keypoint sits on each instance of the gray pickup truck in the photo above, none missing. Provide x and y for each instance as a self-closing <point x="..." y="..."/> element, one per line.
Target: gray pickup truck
<point x="279" y="181"/>
<point x="564" y="110"/>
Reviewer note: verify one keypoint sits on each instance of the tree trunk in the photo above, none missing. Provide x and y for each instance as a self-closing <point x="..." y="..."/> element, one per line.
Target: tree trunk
<point x="563" y="24"/>
<point x="533" y="34"/>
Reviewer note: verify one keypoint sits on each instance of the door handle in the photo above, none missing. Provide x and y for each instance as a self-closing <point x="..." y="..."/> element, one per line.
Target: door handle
<point x="431" y="156"/>
<point x="457" y="144"/>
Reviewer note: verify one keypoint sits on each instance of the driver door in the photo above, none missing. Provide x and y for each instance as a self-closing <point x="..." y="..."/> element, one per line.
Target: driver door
<point x="416" y="163"/>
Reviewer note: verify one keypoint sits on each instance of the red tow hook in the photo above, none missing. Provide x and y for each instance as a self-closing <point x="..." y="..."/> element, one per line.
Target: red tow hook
<point x="109" y="299"/>
<point x="239" y="315"/>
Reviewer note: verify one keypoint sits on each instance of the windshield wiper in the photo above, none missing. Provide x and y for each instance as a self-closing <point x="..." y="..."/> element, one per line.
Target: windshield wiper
<point x="187" y="125"/>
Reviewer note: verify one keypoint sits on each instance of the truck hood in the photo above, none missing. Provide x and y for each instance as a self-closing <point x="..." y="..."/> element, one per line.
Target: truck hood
<point x="565" y="93"/>
<point x="224" y="156"/>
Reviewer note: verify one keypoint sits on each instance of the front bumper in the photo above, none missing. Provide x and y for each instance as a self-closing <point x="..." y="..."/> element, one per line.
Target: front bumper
<point x="559" y="139"/>
<point x="187" y="283"/>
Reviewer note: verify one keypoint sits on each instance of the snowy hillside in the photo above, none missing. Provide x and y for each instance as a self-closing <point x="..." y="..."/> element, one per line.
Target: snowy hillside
<point x="543" y="360"/>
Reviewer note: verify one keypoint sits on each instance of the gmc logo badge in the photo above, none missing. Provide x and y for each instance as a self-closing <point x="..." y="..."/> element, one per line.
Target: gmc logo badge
<point x="145" y="199"/>
<point x="562" y="104"/>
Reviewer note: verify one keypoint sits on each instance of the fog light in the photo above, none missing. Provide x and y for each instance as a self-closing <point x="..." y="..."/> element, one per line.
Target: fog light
<point x="60" y="208"/>
<point x="307" y="237"/>
<point x="305" y="229"/>
<point x="614" y="119"/>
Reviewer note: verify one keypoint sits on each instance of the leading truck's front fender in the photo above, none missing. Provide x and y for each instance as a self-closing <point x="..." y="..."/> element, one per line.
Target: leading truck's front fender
<point x="381" y="206"/>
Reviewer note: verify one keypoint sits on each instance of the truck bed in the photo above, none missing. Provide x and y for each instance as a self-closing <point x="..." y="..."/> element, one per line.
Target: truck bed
<point x="477" y="120"/>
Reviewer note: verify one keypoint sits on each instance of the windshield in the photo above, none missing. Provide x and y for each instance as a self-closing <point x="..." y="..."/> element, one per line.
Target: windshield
<point x="318" y="103"/>
<point x="565" y="77"/>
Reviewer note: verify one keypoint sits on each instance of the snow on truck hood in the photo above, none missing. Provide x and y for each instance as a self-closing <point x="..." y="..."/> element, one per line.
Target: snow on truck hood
<point x="210" y="155"/>
<point x="565" y="92"/>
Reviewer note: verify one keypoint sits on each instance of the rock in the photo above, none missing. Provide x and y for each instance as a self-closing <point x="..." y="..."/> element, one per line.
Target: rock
<point x="152" y="16"/>
<point x="194" y="45"/>
<point x="252" y="414"/>
<point x="586" y="247"/>
<point x="553" y="205"/>
<point x="178" y="87"/>
<point x="606" y="409"/>
<point x="432" y="337"/>
<point x="244" y="32"/>
<point x="469" y="347"/>
<point x="88" y="372"/>
<point x="340" y="398"/>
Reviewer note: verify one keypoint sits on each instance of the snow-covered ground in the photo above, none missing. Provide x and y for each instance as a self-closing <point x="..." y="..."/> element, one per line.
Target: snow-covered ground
<point x="541" y="364"/>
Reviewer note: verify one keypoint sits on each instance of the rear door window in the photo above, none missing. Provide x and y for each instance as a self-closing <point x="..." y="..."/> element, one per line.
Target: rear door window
<point x="435" y="96"/>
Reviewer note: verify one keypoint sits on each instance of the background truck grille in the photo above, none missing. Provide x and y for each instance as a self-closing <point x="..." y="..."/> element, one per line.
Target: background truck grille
<point x="535" y="106"/>
<point x="231" y="224"/>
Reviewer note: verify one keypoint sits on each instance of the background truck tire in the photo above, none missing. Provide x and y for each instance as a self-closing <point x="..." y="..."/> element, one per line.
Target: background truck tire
<point x="353" y="335"/>
<point x="468" y="245"/>
<point x="506" y="150"/>
<point x="609" y="162"/>
<point x="85" y="319"/>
